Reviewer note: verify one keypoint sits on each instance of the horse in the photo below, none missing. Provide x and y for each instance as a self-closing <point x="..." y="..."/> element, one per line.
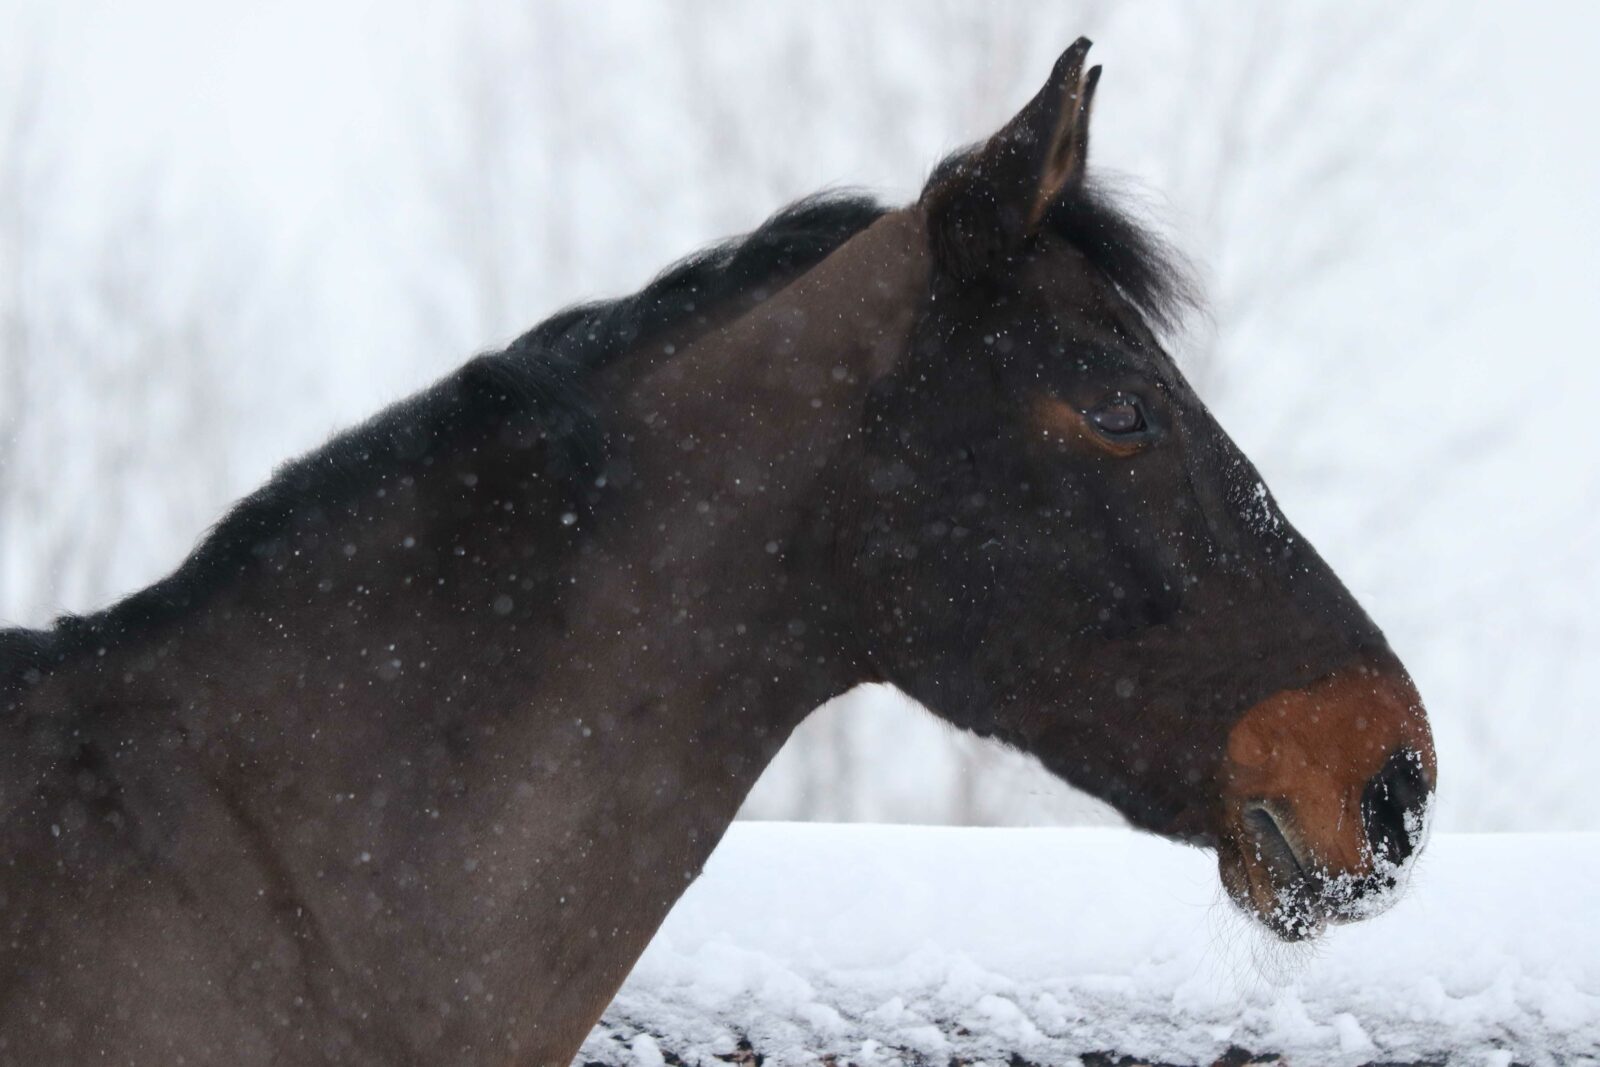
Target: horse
<point x="408" y="760"/>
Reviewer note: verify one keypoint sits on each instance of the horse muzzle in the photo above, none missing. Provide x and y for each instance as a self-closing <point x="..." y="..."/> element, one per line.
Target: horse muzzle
<point x="1326" y="792"/>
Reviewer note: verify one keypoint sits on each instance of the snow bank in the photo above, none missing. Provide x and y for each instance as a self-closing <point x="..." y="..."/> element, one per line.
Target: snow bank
<point x="900" y="945"/>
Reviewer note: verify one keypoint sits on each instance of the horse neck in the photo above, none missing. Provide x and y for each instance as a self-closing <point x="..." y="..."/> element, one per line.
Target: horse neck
<point x="700" y="632"/>
<point x="719" y="456"/>
<point x="695" y="596"/>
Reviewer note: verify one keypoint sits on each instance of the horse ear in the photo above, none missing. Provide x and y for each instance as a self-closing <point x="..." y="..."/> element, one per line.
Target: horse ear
<point x="1054" y="130"/>
<point x="996" y="197"/>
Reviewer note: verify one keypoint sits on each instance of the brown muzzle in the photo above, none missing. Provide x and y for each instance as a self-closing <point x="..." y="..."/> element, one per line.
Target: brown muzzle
<point x="1325" y="798"/>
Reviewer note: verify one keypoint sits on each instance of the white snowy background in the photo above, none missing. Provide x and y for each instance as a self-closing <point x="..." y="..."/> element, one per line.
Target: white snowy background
<point x="227" y="229"/>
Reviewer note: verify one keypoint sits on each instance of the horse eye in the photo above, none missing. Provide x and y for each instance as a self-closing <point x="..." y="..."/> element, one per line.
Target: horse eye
<point x="1119" y="416"/>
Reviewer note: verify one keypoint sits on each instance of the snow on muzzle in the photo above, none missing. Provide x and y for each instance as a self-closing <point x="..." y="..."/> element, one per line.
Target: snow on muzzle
<point x="1326" y="792"/>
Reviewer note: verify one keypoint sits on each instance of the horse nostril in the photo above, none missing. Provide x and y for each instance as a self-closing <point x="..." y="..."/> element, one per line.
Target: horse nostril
<point x="1392" y="806"/>
<point x="1273" y="844"/>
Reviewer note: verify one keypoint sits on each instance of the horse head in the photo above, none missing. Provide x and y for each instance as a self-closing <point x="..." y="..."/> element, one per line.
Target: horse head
<point x="1053" y="543"/>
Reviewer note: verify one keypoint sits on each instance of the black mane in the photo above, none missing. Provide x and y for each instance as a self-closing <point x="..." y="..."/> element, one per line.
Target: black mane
<point x="1148" y="271"/>
<point x="539" y="379"/>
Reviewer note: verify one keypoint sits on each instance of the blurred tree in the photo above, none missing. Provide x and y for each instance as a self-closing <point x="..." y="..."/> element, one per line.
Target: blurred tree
<point x="24" y="181"/>
<point x="109" y="360"/>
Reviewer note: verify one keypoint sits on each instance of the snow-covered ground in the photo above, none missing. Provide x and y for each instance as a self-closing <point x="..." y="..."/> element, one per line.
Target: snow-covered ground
<point x="902" y="945"/>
